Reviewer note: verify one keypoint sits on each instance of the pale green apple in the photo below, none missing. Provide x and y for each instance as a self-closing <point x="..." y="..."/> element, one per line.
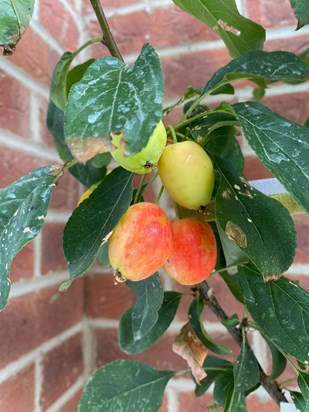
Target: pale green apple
<point x="187" y="174"/>
<point x="145" y="160"/>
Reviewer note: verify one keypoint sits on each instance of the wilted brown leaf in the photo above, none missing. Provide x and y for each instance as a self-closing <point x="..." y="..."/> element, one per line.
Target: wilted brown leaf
<point x="85" y="148"/>
<point x="189" y="347"/>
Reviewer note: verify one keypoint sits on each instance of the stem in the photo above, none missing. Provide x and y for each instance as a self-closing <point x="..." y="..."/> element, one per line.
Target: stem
<point x="108" y="38"/>
<point x="282" y="384"/>
<point x="172" y="132"/>
<point x="140" y="189"/>
<point x="269" y="385"/>
<point x="69" y="164"/>
<point x="159" y="195"/>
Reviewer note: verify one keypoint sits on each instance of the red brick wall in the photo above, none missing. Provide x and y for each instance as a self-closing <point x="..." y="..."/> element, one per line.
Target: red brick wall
<point x="49" y="341"/>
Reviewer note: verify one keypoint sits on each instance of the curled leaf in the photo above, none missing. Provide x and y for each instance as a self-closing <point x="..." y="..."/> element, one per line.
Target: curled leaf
<point x="190" y="348"/>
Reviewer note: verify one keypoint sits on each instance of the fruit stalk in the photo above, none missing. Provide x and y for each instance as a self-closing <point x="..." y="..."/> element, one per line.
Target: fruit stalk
<point x="108" y="39"/>
<point x="269" y="385"/>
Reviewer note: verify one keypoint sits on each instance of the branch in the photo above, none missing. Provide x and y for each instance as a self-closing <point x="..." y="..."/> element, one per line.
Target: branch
<point x="108" y="38"/>
<point x="268" y="384"/>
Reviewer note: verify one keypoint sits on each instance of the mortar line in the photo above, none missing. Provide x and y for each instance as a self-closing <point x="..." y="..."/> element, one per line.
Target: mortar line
<point x="19" y="364"/>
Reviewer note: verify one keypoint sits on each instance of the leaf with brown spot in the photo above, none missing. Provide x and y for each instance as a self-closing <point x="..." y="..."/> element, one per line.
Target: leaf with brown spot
<point x="15" y="17"/>
<point x="190" y="348"/>
<point x="85" y="148"/>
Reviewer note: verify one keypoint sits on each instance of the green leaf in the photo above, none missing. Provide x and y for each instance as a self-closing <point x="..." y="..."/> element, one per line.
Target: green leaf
<point x="283" y="146"/>
<point x="301" y="11"/>
<point x="125" y="385"/>
<point x="246" y="371"/>
<point x="236" y="401"/>
<point x="115" y="97"/>
<point x="144" y="313"/>
<point x="260" y="226"/>
<point x="214" y="367"/>
<point x="88" y="173"/>
<point x="231" y="322"/>
<point x="60" y="87"/>
<point x="195" y="311"/>
<point x="301" y="400"/>
<point x="15" y="17"/>
<point x="278" y="360"/>
<point x="23" y="207"/>
<point x="223" y="386"/>
<point x="103" y="254"/>
<point x="166" y="315"/>
<point x="94" y="219"/>
<point x="261" y="67"/>
<point x="280" y="309"/>
<point x="238" y="33"/>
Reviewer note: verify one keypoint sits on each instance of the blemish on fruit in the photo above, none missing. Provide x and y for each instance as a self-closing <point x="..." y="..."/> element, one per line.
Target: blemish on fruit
<point x="235" y="233"/>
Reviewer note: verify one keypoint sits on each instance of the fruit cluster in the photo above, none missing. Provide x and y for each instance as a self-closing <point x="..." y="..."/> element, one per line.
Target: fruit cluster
<point x="144" y="239"/>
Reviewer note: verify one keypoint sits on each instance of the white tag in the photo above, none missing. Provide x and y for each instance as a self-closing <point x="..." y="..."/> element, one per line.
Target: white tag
<point x="287" y="407"/>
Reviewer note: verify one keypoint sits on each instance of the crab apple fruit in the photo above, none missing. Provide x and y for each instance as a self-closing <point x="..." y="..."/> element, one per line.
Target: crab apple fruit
<point x="145" y="160"/>
<point x="194" y="253"/>
<point x="141" y="242"/>
<point x="187" y="174"/>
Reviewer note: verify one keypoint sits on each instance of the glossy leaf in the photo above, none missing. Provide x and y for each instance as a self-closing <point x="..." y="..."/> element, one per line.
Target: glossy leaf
<point x="94" y="219"/>
<point x="15" y="17"/>
<point x="223" y="386"/>
<point x="280" y="309"/>
<point x="60" y="86"/>
<point x="213" y="367"/>
<point x="238" y="33"/>
<point x="144" y="314"/>
<point x="260" y="226"/>
<point x="166" y="315"/>
<point x="246" y="370"/>
<point x="88" y="174"/>
<point x="125" y="385"/>
<point x="301" y="11"/>
<point x="23" y="208"/>
<point x="278" y="360"/>
<point x="114" y="97"/>
<point x="235" y="402"/>
<point x="195" y="311"/>
<point x="301" y="400"/>
<point x="283" y="146"/>
<point x="260" y="66"/>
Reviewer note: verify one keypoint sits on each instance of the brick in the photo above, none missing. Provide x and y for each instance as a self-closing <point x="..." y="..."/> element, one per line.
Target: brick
<point x="72" y="404"/>
<point x="160" y="355"/>
<point x="271" y="14"/>
<point x="14" y="105"/>
<point x="104" y="299"/>
<point x="61" y="368"/>
<point x="188" y="402"/>
<point x="14" y="164"/>
<point x="254" y="403"/>
<point x="52" y="257"/>
<point x="17" y="391"/>
<point x="254" y="169"/>
<point x="38" y="317"/>
<point x="109" y="4"/>
<point x="162" y="28"/>
<point x="287" y="43"/>
<point x="192" y="69"/>
<point x="23" y="264"/>
<point x="302" y="228"/>
<point x="36" y="57"/>
<point x="294" y="106"/>
<point x="63" y="28"/>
